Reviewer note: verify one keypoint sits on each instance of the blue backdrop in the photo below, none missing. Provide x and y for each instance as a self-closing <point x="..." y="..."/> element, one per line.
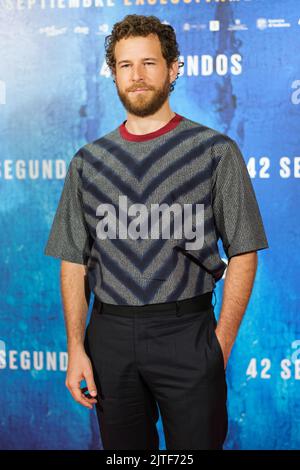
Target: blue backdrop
<point x="241" y="77"/>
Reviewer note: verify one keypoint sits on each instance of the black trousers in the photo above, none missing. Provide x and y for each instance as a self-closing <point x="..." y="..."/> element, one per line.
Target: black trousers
<point x="164" y="355"/>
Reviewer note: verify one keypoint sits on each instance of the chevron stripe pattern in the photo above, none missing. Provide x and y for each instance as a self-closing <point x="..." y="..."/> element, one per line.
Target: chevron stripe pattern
<point x="178" y="165"/>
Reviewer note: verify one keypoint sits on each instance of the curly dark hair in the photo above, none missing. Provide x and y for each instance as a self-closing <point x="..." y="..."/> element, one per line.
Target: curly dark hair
<point x="140" y="25"/>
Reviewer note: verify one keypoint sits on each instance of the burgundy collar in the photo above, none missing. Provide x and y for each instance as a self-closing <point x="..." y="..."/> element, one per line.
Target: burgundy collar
<point x="151" y="135"/>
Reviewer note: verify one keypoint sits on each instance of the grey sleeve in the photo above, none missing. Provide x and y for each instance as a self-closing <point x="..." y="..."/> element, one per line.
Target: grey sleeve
<point x="236" y="212"/>
<point x="69" y="237"/>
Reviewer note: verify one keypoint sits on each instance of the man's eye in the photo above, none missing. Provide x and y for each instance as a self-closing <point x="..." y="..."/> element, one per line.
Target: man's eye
<point x="148" y="63"/>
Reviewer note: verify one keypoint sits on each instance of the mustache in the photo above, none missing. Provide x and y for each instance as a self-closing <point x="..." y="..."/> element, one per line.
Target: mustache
<point x="138" y="88"/>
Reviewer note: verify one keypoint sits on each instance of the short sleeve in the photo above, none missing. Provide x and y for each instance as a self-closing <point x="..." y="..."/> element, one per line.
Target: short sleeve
<point x="236" y="212"/>
<point x="69" y="237"/>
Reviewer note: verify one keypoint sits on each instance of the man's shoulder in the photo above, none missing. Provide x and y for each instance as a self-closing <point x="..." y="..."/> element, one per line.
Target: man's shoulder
<point x="208" y="134"/>
<point x="101" y="142"/>
<point x="89" y="155"/>
<point x="214" y="144"/>
<point x="88" y="158"/>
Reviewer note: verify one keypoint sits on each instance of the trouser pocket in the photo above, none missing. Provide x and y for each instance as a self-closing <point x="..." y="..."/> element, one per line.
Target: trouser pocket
<point x="216" y="357"/>
<point x="218" y="345"/>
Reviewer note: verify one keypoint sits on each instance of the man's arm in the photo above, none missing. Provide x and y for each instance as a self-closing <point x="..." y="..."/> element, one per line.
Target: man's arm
<point x="238" y="284"/>
<point x="75" y="299"/>
<point x="75" y="296"/>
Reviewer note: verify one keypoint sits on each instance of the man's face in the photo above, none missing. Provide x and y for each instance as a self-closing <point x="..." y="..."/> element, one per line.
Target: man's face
<point x="140" y="64"/>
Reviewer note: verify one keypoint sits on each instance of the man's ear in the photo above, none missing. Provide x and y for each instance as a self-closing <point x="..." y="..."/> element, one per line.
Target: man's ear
<point x="173" y="70"/>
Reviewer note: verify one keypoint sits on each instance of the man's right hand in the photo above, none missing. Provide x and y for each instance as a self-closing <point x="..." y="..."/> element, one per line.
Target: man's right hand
<point x="80" y="368"/>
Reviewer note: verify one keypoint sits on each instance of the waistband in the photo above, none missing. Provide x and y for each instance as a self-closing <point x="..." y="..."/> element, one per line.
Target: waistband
<point x="201" y="302"/>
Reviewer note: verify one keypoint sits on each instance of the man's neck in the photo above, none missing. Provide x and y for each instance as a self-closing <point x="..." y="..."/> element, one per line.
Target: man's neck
<point x="144" y="125"/>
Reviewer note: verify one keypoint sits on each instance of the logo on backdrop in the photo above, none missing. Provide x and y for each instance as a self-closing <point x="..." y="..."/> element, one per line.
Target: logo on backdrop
<point x="295" y="96"/>
<point x="32" y="360"/>
<point x="2" y="92"/>
<point x="264" y="23"/>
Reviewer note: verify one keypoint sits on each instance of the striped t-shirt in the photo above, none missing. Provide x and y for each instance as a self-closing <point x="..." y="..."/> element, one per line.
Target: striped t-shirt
<point x="111" y="187"/>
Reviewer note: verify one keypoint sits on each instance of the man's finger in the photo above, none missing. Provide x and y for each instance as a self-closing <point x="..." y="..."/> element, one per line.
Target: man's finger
<point x="79" y="397"/>
<point x="88" y="396"/>
<point x="90" y="384"/>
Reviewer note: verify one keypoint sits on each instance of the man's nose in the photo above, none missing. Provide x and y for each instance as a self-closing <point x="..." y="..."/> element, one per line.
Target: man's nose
<point x="137" y="72"/>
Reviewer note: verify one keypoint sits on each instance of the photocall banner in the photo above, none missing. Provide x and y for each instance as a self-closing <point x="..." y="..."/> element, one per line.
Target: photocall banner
<point x="241" y="76"/>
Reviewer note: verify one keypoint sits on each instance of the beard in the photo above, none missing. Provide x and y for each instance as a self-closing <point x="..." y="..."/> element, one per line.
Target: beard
<point x="147" y="103"/>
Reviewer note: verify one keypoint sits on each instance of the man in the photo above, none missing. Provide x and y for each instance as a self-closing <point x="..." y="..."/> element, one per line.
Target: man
<point x="153" y="339"/>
